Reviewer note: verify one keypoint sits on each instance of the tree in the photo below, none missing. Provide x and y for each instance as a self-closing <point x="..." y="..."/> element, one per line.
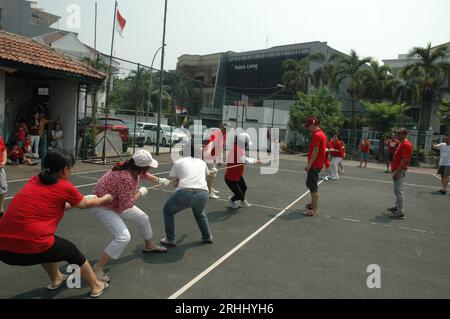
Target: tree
<point x="382" y="117"/>
<point x="444" y="115"/>
<point x="319" y="103"/>
<point x="375" y="81"/>
<point x="350" y="68"/>
<point x="430" y="68"/>
<point x="325" y="74"/>
<point x="296" y="74"/>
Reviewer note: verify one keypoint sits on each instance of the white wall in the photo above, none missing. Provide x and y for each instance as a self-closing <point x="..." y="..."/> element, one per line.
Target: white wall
<point x="63" y="107"/>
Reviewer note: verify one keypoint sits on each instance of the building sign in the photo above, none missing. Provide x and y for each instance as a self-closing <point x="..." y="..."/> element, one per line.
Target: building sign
<point x="245" y="67"/>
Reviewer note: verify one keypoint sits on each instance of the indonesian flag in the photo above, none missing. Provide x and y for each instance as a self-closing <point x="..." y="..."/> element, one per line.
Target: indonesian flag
<point x="120" y="22"/>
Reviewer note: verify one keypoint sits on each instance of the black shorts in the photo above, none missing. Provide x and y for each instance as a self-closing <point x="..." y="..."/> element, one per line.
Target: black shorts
<point x="313" y="179"/>
<point x="444" y="171"/>
<point x="62" y="250"/>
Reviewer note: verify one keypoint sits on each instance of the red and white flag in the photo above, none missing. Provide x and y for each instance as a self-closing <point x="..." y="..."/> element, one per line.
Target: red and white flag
<point x="120" y="22"/>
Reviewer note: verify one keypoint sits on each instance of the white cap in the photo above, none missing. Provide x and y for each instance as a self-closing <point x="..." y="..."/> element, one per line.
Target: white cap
<point x="143" y="158"/>
<point x="244" y="137"/>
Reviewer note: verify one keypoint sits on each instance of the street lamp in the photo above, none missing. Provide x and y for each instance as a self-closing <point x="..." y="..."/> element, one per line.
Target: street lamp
<point x="158" y="133"/>
<point x="151" y="75"/>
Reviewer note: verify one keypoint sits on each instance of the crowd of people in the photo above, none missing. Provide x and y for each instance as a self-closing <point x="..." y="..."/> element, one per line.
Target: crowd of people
<point x="28" y="227"/>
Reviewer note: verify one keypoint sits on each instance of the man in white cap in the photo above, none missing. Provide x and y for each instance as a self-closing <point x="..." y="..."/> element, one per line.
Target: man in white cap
<point x="189" y="176"/>
<point x="234" y="179"/>
<point x="122" y="182"/>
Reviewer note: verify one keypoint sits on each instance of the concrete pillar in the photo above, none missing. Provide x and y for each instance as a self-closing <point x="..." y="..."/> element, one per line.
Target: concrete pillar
<point x="2" y="102"/>
<point x="428" y="140"/>
<point x="413" y="137"/>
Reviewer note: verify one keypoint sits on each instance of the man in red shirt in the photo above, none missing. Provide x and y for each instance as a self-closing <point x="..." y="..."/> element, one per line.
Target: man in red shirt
<point x="392" y="144"/>
<point x="3" y="183"/>
<point x="316" y="160"/>
<point x="399" y="167"/>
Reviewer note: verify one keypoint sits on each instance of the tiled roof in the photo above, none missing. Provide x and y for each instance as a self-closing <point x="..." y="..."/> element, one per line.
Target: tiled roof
<point x="24" y="50"/>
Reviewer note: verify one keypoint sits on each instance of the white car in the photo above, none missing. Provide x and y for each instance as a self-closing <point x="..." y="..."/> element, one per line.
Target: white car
<point x="168" y="135"/>
<point x="146" y="129"/>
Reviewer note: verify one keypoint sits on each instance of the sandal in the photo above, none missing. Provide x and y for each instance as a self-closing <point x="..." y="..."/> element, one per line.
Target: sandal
<point x="310" y="213"/>
<point x="98" y="294"/>
<point x="52" y="287"/>
<point x="103" y="277"/>
<point x="155" y="249"/>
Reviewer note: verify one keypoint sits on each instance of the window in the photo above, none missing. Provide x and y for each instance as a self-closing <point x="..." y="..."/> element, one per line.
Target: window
<point x="213" y="80"/>
<point x="200" y="78"/>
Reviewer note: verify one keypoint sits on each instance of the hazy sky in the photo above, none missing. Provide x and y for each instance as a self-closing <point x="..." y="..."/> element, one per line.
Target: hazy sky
<point x="378" y="28"/>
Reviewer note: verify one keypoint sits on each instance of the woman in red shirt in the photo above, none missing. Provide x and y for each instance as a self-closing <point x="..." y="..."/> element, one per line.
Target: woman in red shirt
<point x="27" y="229"/>
<point x="364" y="148"/>
<point x="234" y="179"/>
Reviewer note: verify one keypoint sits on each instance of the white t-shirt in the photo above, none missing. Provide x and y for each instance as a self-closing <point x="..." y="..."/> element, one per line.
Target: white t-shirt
<point x="191" y="173"/>
<point x="445" y="154"/>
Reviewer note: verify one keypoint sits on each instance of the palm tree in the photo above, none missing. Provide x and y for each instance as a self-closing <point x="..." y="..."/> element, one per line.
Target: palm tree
<point x="375" y="81"/>
<point x="324" y="75"/>
<point x="296" y="74"/>
<point x="428" y="63"/>
<point x="351" y="69"/>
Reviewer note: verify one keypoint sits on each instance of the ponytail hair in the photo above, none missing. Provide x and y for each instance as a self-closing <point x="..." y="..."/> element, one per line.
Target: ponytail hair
<point x="128" y="165"/>
<point x="54" y="162"/>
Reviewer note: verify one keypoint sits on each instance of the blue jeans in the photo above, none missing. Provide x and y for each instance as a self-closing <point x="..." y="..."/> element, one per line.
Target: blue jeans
<point x="183" y="199"/>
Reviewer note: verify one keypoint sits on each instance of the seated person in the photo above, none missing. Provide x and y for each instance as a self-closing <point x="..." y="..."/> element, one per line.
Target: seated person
<point x="17" y="156"/>
<point x="28" y="150"/>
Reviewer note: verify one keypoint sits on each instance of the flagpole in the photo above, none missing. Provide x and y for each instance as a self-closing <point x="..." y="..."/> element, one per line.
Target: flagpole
<point x="161" y="80"/>
<point x="109" y="83"/>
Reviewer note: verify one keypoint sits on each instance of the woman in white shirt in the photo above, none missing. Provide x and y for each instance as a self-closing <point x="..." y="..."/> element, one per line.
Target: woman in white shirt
<point x="57" y="137"/>
<point x="444" y="163"/>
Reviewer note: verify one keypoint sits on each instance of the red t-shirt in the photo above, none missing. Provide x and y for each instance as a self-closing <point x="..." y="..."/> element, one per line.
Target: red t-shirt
<point x="30" y="222"/>
<point x="339" y="146"/>
<point x="235" y="173"/>
<point x="21" y="132"/>
<point x="27" y="146"/>
<point x="365" y="147"/>
<point x="404" y="151"/>
<point x="392" y="145"/>
<point x="16" y="153"/>
<point x="320" y="140"/>
<point x="2" y="149"/>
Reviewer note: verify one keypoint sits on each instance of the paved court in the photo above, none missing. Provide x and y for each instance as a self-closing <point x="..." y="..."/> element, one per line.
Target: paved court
<point x="271" y="250"/>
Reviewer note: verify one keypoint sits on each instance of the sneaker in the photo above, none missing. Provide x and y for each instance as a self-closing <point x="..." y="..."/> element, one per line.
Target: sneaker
<point x="245" y="204"/>
<point x="441" y="191"/>
<point x="397" y="215"/>
<point x="213" y="196"/>
<point x="326" y="178"/>
<point x="393" y="210"/>
<point x="208" y="241"/>
<point x="235" y="204"/>
<point x="164" y="241"/>
<point x="215" y="191"/>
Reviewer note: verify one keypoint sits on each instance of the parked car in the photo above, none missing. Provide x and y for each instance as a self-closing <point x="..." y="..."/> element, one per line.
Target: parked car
<point x="138" y="138"/>
<point x="146" y="128"/>
<point x="168" y="135"/>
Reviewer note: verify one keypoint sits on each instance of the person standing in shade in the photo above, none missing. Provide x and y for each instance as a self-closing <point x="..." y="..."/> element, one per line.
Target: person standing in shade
<point x="392" y="145"/>
<point x="27" y="230"/>
<point x="34" y="133"/>
<point x="188" y="175"/>
<point x="444" y="162"/>
<point x="364" y="148"/>
<point x="316" y="160"/>
<point x="3" y="182"/>
<point x="57" y="137"/>
<point x="399" y="167"/>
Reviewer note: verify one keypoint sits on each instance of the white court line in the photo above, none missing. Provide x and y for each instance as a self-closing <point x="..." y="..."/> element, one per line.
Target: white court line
<point x="77" y="173"/>
<point x="437" y="176"/>
<point x="351" y="220"/>
<point x="232" y="251"/>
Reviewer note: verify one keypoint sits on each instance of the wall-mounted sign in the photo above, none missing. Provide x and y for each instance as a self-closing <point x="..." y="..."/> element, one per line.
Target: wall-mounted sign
<point x="245" y="67"/>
